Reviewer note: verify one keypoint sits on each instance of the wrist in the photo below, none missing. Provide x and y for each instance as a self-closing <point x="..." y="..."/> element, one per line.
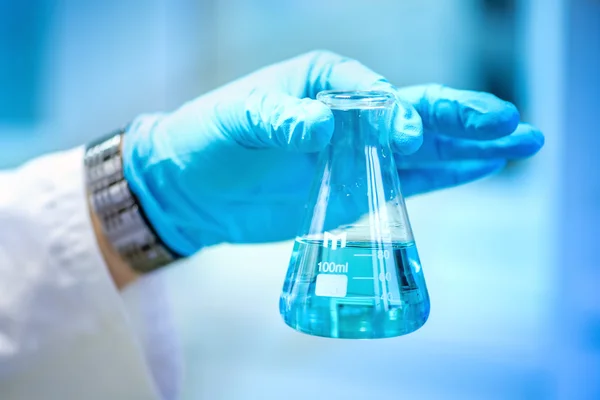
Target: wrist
<point x="121" y="272"/>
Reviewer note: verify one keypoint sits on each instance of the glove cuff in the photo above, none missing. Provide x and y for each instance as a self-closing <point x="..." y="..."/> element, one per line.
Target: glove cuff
<point x="123" y="221"/>
<point x="149" y="186"/>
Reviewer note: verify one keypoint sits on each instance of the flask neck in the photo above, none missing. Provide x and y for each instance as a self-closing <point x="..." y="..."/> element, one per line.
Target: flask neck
<point x="360" y="127"/>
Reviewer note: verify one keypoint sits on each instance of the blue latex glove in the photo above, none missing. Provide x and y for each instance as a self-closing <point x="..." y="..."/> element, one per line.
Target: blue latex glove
<point x="235" y="165"/>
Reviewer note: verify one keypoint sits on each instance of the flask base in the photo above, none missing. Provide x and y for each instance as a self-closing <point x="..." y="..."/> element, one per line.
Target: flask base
<point x="359" y="291"/>
<point x="337" y="319"/>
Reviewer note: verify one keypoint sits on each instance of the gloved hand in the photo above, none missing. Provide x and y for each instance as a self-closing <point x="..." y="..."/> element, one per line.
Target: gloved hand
<point x="235" y="165"/>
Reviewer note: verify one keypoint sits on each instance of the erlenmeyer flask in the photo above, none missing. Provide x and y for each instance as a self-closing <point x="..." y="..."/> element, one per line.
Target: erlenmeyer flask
<point x="355" y="271"/>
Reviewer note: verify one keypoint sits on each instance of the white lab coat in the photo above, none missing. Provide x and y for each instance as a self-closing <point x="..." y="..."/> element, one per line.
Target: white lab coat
<point x="64" y="330"/>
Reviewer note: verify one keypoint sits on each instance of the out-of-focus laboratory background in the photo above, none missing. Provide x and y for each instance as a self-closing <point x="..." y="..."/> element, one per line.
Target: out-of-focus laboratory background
<point x="511" y="262"/>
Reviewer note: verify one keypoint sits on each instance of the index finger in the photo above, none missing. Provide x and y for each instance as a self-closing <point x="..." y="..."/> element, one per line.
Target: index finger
<point x="331" y="71"/>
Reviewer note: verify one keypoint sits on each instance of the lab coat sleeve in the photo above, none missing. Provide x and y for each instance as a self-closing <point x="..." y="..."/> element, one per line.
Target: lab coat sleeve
<point x="64" y="330"/>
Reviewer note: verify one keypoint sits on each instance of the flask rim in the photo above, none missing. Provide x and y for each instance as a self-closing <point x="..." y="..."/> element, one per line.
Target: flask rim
<point x="356" y="99"/>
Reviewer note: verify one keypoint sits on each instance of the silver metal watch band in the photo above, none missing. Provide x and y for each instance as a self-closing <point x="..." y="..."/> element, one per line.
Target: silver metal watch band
<point x="123" y="220"/>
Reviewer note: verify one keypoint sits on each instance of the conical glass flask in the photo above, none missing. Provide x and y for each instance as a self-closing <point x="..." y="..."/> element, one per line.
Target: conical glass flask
<point x="355" y="271"/>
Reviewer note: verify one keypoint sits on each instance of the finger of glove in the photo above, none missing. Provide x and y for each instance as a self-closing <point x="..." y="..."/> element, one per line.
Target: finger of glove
<point x="427" y="179"/>
<point x="462" y="113"/>
<point x="330" y="71"/>
<point x="524" y="142"/>
<point x="277" y="120"/>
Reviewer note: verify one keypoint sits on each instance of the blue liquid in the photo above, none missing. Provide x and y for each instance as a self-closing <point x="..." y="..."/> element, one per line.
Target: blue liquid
<point x="360" y="291"/>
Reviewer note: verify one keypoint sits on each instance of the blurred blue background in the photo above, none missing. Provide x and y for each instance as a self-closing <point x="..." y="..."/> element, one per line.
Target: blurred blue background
<point x="511" y="262"/>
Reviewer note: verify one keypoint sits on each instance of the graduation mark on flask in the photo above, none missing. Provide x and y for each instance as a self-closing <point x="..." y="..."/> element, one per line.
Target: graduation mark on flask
<point x="332" y="267"/>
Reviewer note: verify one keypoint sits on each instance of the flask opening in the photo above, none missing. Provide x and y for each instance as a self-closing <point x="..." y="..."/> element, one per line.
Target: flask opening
<point x="356" y="99"/>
